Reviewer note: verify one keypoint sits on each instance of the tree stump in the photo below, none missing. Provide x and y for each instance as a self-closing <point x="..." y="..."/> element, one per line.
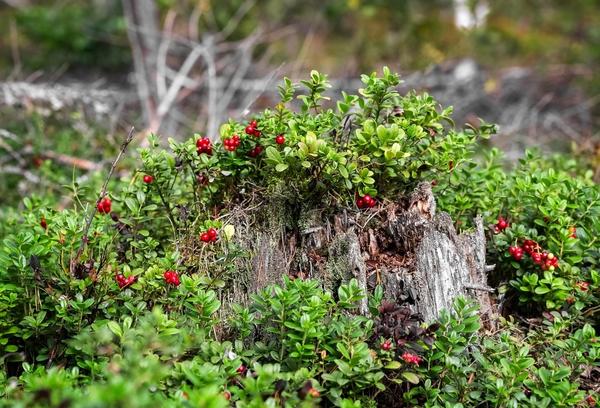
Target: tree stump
<point x="415" y="253"/>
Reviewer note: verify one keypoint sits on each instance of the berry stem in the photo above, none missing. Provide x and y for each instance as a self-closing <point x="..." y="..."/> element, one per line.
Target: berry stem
<point x="88" y="223"/>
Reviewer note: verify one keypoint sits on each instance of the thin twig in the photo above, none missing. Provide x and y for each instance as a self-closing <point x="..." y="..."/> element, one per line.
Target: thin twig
<point x="178" y="82"/>
<point x="208" y="52"/>
<point x="84" y="238"/>
<point x="162" y="54"/>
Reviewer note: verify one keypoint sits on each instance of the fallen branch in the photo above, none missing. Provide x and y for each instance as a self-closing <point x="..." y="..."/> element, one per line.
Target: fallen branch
<point x="72" y="161"/>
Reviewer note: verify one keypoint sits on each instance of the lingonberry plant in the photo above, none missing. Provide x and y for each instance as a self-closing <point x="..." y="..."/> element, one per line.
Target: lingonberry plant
<point x="545" y="240"/>
<point x="143" y="317"/>
<point x="375" y="144"/>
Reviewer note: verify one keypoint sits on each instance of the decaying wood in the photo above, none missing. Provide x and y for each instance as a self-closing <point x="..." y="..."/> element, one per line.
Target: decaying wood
<point x="98" y="104"/>
<point x="414" y="252"/>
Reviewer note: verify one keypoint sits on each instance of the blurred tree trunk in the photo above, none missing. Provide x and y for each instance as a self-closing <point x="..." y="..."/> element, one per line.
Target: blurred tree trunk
<point x="143" y="30"/>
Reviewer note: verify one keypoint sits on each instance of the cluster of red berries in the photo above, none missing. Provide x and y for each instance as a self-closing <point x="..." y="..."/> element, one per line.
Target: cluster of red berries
<point x="365" y="201"/>
<point x="386" y="345"/>
<point x="516" y="252"/>
<point x="252" y="130"/>
<point x="280" y="139"/>
<point x="255" y="151"/>
<point x="547" y="261"/>
<point x="501" y="225"/>
<point x="104" y="206"/>
<point x="209" y="236"/>
<point x="124" y="282"/>
<point x="148" y="179"/>
<point x="410" y="358"/>
<point x="172" y="278"/>
<point x="232" y="143"/>
<point x="204" y="146"/>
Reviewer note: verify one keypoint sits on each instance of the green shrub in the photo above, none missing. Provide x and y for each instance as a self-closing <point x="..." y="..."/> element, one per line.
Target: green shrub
<point x="135" y="320"/>
<point x="557" y="209"/>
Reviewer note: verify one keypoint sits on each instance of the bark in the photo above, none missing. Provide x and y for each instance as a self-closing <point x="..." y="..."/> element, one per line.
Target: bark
<point x="416" y="254"/>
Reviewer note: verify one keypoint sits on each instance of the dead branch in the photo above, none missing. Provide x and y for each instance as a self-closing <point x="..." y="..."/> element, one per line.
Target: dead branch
<point x="84" y="237"/>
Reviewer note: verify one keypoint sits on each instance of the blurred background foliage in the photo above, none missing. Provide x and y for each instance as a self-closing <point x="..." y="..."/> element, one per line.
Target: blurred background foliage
<point x="342" y="37"/>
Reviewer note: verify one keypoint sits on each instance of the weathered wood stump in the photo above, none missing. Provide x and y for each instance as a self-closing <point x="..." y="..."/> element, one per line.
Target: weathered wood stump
<point x="416" y="254"/>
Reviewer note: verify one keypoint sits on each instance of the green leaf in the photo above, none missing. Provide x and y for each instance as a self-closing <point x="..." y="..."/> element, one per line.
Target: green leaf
<point x="281" y="167"/>
<point x="273" y="154"/>
<point x="393" y="365"/>
<point x="410" y="377"/>
<point x="115" y="328"/>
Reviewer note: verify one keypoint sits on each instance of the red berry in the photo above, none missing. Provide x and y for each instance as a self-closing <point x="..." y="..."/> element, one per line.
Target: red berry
<point x="360" y="202"/>
<point x="590" y="400"/>
<point x="43" y="223"/>
<point x="386" y="345"/>
<point x="171" y="278"/>
<point x="104" y="206"/>
<point x="124" y="282"/>
<point x="410" y="358"/>
<point x="249" y="130"/>
<point x="212" y="233"/>
<point x="572" y="232"/>
<point x="502" y="223"/>
<point x="516" y="252"/>
<point x="255" y="151"/>
<point x="583" y="286"/>
<point x="253" y="123"/>
<point x="241" y="370"/>
<point x="313" y="392"/>
<point x="106" y="203"/>
<point x="204" y="146"/>
<point x="227" y="395"/>
<point x="148" y="179"/>
<point x="280" y="139"/>
<point x="205" y="237"/>
<point x="257" y="133"/>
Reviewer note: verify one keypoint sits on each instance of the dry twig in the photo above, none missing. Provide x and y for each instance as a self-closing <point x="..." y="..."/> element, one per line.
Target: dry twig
<point x="84" y="237"/>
